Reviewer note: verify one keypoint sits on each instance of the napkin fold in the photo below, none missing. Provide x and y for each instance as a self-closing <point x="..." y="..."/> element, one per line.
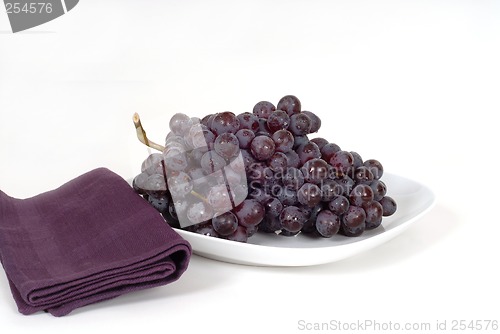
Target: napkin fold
<point x="91" y="239"/>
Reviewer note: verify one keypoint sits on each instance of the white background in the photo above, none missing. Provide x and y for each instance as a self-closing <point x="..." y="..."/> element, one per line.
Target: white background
<point x="414" y="84"/>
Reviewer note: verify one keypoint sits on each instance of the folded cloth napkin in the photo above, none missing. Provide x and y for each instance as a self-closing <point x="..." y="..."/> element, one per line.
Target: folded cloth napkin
<point x="89" y="240"/>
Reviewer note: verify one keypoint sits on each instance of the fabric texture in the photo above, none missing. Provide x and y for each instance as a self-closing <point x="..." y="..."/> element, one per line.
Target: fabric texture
<point x="91" y="239"/>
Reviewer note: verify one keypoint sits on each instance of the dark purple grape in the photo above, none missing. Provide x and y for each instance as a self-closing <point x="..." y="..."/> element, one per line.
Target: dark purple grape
<point x="153" y="164"/>
<point x="293" y="159"/>
<point x="250" y="212"/>
<point x="315" y="170"/>
<point x="219" y="198"/>
<point x="159" y="203"/>
<point x="327" y="223"/>
<point x="258" y="173"/>
<point x="155" y="185"/>
<point x="205" y="229"/>
<point x="353" y="221"/>
<point x="251" y="230"/>
<point x="270" y="224"/>
<point x="300" y="140"/>
<point x="328" y="151"/>
<point x="310" y="224"/>
<point x="283" y="140"/>
<point x="293" y="178"/>
<point x="175" y="159"/>
<point x="199" y="212"/>
<point x="360" y="194"/>
<point x="273" y="207"/>
<point x="225" y="122"/>
<point x="357" y="160"/>
<point x="263" y="109"/>
<point x="262" y="147"/>
<point x="389" y="206"/>
<point x="292" y="219"/>
<point x="278" y="120"/>
<point x="375" y="167"/>
<point x="347" y="184"/>
<point x="374" y="213"/>
<point x="227" y="145"/>
<point x="248" y="121"/>
<point x="308" y="151"/>
<point x="225" y="224"/>
<point x="212" y="162"/>
<point x="245" y="137"/>
<point x="339" y="205"/>
<point x="278" y="162"/>
<point x="330" y="189"/>
<point x="201" y="137"/>
<point x="379" y="189"/>
<point x="290" y="104"/>
<point x="139" y="183"/>
<point x="315" y="121"/>
<point x="342" y="162"/>
<point x="180" y="124"/>
<point x="363" y="175"/>
<point x="321" y="142"/>
<point x="179" y="183"/>
<point x="300" y="124"/>
<point x="248" y="158"/>
<point x="288" y="197"/>
<point x="205" y="119"/>
<point x="309" y="194"/>
<point x="240" y="235"/>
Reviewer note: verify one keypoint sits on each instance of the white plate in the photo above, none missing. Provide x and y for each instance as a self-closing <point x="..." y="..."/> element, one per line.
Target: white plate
<point x="264" y="249"/>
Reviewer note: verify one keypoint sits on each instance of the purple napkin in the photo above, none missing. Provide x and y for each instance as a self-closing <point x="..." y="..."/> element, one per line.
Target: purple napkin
<point x="91" y="239"/>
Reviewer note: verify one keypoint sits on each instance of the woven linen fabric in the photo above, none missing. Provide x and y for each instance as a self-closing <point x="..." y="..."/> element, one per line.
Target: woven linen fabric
<point x="91" y="239"/>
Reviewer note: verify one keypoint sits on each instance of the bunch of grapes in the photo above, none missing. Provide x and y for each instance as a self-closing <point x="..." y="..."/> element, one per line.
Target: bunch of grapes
<point x="229" y="176"/>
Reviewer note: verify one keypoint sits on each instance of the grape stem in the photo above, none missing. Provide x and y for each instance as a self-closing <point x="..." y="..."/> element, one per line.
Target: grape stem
<point x="141" y="134"/>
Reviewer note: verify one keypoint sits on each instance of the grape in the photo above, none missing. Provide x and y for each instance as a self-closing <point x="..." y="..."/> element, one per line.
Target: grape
<point x="262" y="147"/>
<point x="308" y="151"/>
<point x="139" y="183"/>
<point x="248" y="121"/>
<point x="155" y="185"/>
<point x="250" y="212"/>
<point x="278" y="120"/>
<point x="179" y="124"/>
<point x="375" y="167"/>
<point x="273" y="207"/>
<point x="263" y="109"/>
<point x="379" y="189"/>
<point x="293" y="178"/>
<point x="278" y="162"/>
<point x="361" y="193"/>
<point x="353" y="222"/>
<point x="309" y="194"/>
<point x="159" y="203"/>
<point x="283" y="140"/>
<point x="321" y="142"/>
<point x="245" y="137"/>
<point x="339" y="205"/>
<point x="239" y="235"/>
<point x="363" y="175"/>
<point x="374" y="213"/>
<point x="327" y="223"/>
<point x="230" y="176"/>
<point x="153" y="164"/>
<point x="292" y="219"/>
<point x="328" y="151"/>
<point x="300" y="140"/>
<point x="180" y="183"/>
<point x="315" y="170"/>
<point x="293" y="159"/>
<point x="342" y="161"/>
<point x="225" y="224"/>
<point x="227" y="145"/>
<point x="199" y="212"/>
<point x="300" y="124"/>
<point x="389" y="206"/>
<point x="290" y="104"/>
<point x="225" y="122"/>
<point x="315" y="121"/>
<point x="211" y="162"/>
